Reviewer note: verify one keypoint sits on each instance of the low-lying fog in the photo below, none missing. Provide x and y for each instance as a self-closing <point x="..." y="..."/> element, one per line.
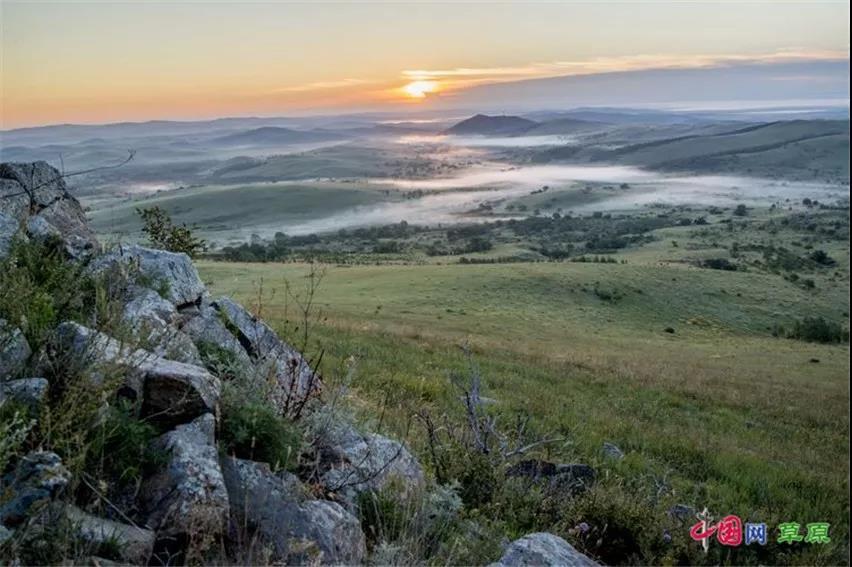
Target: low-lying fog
<point x="489" y="142"/>
<point x="451" y="200"/>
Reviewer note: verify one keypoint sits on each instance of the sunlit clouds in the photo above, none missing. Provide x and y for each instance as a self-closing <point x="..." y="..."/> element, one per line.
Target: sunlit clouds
<point x="461" y="77"/>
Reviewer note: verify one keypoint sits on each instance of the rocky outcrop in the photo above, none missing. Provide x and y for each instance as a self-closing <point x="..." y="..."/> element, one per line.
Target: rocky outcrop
<point x="356" y="462"/>
<point x="9" y="227"/>
<point x="36" y="194"/>
<point x="295" y="381"/>
<point x="188" y="495"/>
<point x="173" y="274"/>
<point x="299" y="530"/>
<point x="540" y="550"/>
<point x="207" y="330"/>
<point x="169" y="330"/>
<point x="36" y="480"/>
<point x="14" y="350"/>
<point x="153" y="321"/>
<point x="134" y="544"/>
<point x="25" y="391"/>
<point x="171" y="392"/>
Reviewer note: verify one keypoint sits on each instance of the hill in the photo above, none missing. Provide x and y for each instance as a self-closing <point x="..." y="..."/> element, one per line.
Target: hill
<point x="484" y="125"/>
<point x="273" y="135"/>
<point x="566" y="126"/>
<point x="793" y="149"/>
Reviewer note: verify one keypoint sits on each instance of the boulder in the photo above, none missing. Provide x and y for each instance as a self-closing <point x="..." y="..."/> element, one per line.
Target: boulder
<point x="8" y="229"/>
<point x="572" y="478"/>
<point x="152" y="320"/>
<point x="171" y="392"/>
<point x="299" y="530"/>
<point x="356" y="462"/>
<point x="542" y="549"/>
<point x="173" y="274"/>
<point x="37" y="189"/>
<point x="135" y="544"/>
<point x="207" y="331"/>
<point x="26" y="391"/>
<point x="295" y="381"/>
<point x="36" y="480"/>
<point x="188" y="496"/>
<point x="14" y="350"/>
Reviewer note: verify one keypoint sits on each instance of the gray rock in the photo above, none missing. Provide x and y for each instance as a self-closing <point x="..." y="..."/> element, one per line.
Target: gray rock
<point x="14" y="350"/>
<point x="357" y="462"/>
<point x="543" y="549"/>
<point x="8" y="229"/>
<point x="153" y="320"/>
<point x="206" y="328"/>
<point x="612" y="451"/>
<point x="172" y="392"/>
<point x="40" y="229"/>
<point x="188" y="496"/>
<point x="172" y="273"/>
<point x="295" y="381"/>
<point x="134" y="543"/>
<point x="36" y="480"/>
<point x="299" y="530"/>
<point x="28" y="189"/>
<point x="27" y="391"/>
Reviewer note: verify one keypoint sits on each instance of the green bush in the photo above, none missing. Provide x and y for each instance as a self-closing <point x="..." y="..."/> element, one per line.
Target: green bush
<point x="818" y="330"/>
<point x="254" y="430"/>
<point x="120" y="445"/>
<point x="163" y="234"/>
<point x="39" y="288"/>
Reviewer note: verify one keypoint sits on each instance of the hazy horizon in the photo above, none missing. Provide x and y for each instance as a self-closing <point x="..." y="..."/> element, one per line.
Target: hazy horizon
<point x="203" y="60"/>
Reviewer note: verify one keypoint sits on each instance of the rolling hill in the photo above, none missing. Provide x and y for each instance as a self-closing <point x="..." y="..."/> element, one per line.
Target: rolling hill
<point x="484" y="125"/>
<point x="273" y="135"/>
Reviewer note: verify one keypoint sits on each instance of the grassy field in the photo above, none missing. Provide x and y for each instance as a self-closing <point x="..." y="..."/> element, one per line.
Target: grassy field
<point x="717" y="414"/>
<point x="218" y="211"/>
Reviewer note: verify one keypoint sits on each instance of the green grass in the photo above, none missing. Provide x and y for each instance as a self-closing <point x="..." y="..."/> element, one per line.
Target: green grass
<point x="220" y="211"/>
<point x="720" y="413"/>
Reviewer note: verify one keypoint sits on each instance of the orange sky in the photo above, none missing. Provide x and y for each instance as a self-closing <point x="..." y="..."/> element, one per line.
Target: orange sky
<point x="106" y="62"/>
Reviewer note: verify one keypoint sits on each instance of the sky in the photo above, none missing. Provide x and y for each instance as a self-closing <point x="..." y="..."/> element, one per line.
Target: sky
<point x="97" y="62"/>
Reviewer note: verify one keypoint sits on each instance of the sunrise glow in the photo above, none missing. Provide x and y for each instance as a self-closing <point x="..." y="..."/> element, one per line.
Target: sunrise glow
<point x="419" y="89"/>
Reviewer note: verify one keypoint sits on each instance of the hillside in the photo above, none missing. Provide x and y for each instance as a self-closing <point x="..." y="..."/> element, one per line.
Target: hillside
<point x="796" y="149"/>
<point x="273" y="135"/>
<point x="483" y="125"/>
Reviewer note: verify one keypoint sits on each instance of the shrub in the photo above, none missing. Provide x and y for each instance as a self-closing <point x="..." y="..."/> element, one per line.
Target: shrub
<point x="39" y="288"/>
<point x="822" y="258"/>
<point x="120" y="446"/>
<point x="719" y="264"/>
<point x="253" y="430"/>
<point x="163" y="234"/>
<point x="818" y="330"/>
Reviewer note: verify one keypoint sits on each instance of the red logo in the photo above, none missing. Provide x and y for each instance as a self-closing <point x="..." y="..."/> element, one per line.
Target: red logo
<point x="728" y="530"/>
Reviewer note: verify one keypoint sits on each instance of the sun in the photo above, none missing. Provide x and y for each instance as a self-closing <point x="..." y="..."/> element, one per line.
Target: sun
<point x="419" y="89"/>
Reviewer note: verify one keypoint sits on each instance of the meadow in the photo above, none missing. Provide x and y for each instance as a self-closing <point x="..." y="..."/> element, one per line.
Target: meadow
<point x="717" y="414"/>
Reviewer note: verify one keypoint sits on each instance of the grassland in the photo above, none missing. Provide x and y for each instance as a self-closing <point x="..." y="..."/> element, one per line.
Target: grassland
<point x="218" y="211"/>
<point x="718" y="414"/>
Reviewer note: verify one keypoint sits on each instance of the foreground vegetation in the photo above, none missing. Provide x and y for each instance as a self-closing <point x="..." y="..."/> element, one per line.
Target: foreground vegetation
<point x="718" y="413"/>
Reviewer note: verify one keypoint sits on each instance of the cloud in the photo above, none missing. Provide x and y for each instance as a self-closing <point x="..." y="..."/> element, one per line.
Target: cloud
<point x="461" y="77"/>
<point x="323" y="85"/>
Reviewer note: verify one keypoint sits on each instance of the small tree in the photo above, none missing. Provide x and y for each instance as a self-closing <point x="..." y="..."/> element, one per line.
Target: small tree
<point x="163" y="234"/>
